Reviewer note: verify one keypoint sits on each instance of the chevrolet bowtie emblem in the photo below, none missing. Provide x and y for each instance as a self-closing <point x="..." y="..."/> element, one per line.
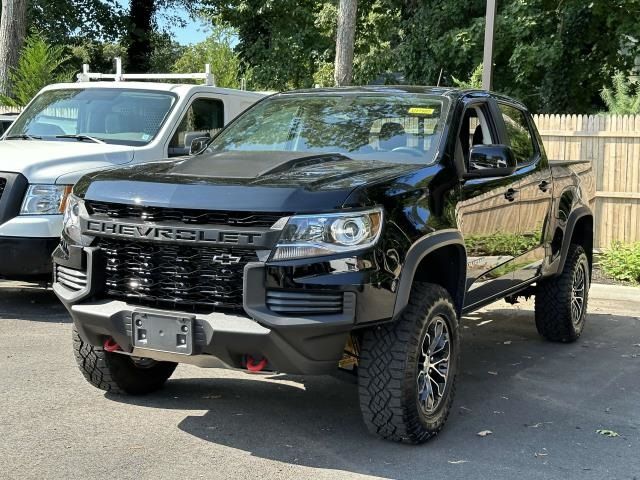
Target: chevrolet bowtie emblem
<point x="225" y="259"/>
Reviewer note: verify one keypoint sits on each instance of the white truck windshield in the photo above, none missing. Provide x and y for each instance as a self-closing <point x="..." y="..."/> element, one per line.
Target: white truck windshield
<point x="111" y="115"/>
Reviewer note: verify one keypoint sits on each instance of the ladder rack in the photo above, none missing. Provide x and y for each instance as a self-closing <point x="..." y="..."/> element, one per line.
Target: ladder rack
<point x="119" y="76"/>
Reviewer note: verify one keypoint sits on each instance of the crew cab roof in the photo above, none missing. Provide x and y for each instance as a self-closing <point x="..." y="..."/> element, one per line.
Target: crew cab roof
<point x="453" y="93"/>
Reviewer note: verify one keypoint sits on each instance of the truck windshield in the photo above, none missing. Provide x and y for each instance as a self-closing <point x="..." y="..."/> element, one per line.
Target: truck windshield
<point x="111" y="115"/>
<point x="402" y="128"/>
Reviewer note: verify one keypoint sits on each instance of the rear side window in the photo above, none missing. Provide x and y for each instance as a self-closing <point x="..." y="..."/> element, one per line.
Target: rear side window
<point x="519" y="133"/>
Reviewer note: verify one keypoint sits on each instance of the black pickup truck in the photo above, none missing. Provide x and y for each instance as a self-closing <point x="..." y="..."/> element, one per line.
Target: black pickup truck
<point x="329" y="229"/>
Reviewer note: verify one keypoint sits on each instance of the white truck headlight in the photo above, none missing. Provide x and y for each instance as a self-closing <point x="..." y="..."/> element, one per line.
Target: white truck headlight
<point x="71" y="222"/>
<point x="45" y="199"/>
<point x="316" y="235"/>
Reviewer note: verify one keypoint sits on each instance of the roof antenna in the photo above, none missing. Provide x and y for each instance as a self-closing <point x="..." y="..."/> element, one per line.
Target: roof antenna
<point x="440" y="77"/>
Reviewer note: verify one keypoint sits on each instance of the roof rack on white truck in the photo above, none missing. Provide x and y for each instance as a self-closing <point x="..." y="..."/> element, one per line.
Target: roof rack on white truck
<point x="101" y="121"/>
<point x="119" y="76"/>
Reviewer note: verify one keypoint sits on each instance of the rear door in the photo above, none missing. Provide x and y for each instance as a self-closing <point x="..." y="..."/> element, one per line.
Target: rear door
<point x="534" y="192"/>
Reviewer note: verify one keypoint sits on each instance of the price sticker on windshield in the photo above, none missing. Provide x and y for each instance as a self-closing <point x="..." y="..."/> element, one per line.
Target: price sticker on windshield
<point x="421" y="111"/>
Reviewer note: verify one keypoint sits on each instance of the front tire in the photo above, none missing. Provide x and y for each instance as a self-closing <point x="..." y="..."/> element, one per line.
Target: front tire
<point x="561" y="301"/>
<point x="407" y="369"/>
<point x="118" y="373"/>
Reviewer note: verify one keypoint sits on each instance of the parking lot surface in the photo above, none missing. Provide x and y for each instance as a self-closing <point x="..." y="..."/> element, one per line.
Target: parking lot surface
<point x="544" y="404"/>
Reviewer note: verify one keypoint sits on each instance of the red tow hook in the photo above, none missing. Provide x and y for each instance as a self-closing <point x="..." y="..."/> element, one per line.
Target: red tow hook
<point x="252" y="366"/>
<point x="110" y="345"/>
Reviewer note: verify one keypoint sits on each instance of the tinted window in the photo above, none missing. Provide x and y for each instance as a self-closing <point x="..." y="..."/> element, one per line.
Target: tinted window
<point x="391" y="128"/>
<point x="519" y="133"/>
<point x="205" y="116"/>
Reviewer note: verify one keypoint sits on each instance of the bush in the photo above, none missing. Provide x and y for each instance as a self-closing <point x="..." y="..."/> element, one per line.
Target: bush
<point x="40" y="64"/>
<point x="622" y="262"/>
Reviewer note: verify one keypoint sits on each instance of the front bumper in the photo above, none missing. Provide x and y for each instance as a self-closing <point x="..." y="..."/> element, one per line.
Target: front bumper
<point x="296" y="344"/>
<point x="26" y="258"/>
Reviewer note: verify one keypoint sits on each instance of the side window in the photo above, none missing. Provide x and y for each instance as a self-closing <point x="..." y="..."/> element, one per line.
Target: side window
<point x="204" y="118"/>
<point x="519" y="133"/>
<point x="475" y="130"/>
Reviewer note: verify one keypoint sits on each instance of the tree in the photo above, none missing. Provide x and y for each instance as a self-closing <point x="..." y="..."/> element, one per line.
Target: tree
<point x="552" y="55"/>
<point x="40" y="64"/>
<point x="12" y="31"/>
<point x="76" y="21"/>
<point x="624" y="97"/>
<point x="278" y="40"/>
<point x="343" y="73"/>
<point x="216" y="50"/>
<point x="142" y="26"/>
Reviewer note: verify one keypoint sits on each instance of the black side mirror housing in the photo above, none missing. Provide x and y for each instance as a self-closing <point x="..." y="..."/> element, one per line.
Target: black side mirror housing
<point x="486" y="161"/>
<point x="198" y="144"/>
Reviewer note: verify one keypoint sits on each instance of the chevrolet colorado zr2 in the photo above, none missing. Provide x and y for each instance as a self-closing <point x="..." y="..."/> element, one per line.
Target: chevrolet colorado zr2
<point x="329" y="229"/>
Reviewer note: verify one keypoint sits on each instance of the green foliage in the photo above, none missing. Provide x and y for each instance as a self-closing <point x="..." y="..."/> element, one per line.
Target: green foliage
<point x="474" y="81"/>
<point x="511" y="244"/>
<point x="216" y="50"/>
<point x="624" y="97"/>
<point x="62" y="21"/>
<point x="622" y="262"/>
<point x="40" y="64"/>
<point x="552" y="55"/>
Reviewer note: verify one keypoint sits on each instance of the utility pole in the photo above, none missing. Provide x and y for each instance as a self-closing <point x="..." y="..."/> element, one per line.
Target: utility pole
<point x="489" y="30"/>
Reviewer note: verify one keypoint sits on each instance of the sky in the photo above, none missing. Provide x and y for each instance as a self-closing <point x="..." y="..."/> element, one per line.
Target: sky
<point x="193" y="32"/>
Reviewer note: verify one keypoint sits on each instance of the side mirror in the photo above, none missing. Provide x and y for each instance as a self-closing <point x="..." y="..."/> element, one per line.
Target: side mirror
<point x="196" y="142"/>
<point x="487" y="161"/>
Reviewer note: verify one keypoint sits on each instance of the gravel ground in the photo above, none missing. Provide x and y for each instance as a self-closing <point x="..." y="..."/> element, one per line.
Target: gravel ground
<point x="543" y="403"/>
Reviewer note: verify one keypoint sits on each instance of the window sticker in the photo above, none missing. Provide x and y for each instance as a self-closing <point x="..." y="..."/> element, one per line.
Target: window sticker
<point x="421" y="111"/>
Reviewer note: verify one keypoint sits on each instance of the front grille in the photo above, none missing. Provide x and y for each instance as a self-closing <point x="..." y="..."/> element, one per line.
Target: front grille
<point x="194" y="278"/>
<point x="3" y="183"/>
<point x="192" y="217"/>
<point x="71" y="278"/>
<point x="304" y="303"/>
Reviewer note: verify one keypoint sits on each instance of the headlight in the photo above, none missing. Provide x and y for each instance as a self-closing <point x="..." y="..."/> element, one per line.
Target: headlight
<point x="71" y="222"/>
<point x="315" y="235"/>
<point x="45" y="199"/>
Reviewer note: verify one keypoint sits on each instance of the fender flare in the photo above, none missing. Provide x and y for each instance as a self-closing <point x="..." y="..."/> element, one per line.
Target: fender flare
<point x="418" y="251"/>
<point x="574" y="216"/>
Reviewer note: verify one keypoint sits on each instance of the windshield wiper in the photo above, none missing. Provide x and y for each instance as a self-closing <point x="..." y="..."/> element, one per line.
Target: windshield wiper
<point x="23" y="136"/>
<point x="81" y="138"/>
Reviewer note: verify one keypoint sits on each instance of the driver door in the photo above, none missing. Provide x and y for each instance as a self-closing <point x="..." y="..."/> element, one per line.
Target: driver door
<point x="203" y="118"/>
<point x="488" y="213"/>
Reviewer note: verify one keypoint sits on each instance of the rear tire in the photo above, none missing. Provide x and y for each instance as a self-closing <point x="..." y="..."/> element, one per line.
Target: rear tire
<point x="118" y="373"/>
<point x="407" y="369"/>
<point x="561" y="301"/>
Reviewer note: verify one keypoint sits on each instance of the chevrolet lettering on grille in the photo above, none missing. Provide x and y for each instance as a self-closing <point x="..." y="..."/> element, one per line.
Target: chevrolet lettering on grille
<point x="171" y="234"/>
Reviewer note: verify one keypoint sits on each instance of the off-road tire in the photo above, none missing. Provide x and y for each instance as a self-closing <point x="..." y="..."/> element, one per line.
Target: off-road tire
<point x="117" y="373"/>
<point x="389" y="364"/>
<point x="554" y="318"/>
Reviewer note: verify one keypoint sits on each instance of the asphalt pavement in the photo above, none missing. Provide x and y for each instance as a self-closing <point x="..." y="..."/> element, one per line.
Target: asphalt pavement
<point x="544" y="404"/>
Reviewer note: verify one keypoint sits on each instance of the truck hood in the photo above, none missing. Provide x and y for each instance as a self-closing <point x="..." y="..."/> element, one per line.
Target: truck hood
<point x="46" y="161"/>
<point x="243" y="181"/>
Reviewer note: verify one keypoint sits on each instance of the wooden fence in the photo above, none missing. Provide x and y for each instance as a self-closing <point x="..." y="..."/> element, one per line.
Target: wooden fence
<point x="612" y="144"/>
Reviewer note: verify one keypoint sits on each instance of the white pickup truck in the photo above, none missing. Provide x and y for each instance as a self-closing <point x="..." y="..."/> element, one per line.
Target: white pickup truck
<point x="71" y="129"/>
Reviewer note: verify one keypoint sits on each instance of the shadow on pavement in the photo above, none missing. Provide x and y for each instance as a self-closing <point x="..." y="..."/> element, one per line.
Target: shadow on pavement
<point x="30" y="303"/>
<point x="542" y="401"/>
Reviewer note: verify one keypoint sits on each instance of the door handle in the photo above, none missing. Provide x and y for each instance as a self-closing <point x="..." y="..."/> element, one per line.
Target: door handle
<point x="544" y="185"/>
<point x="510" y="194"/>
